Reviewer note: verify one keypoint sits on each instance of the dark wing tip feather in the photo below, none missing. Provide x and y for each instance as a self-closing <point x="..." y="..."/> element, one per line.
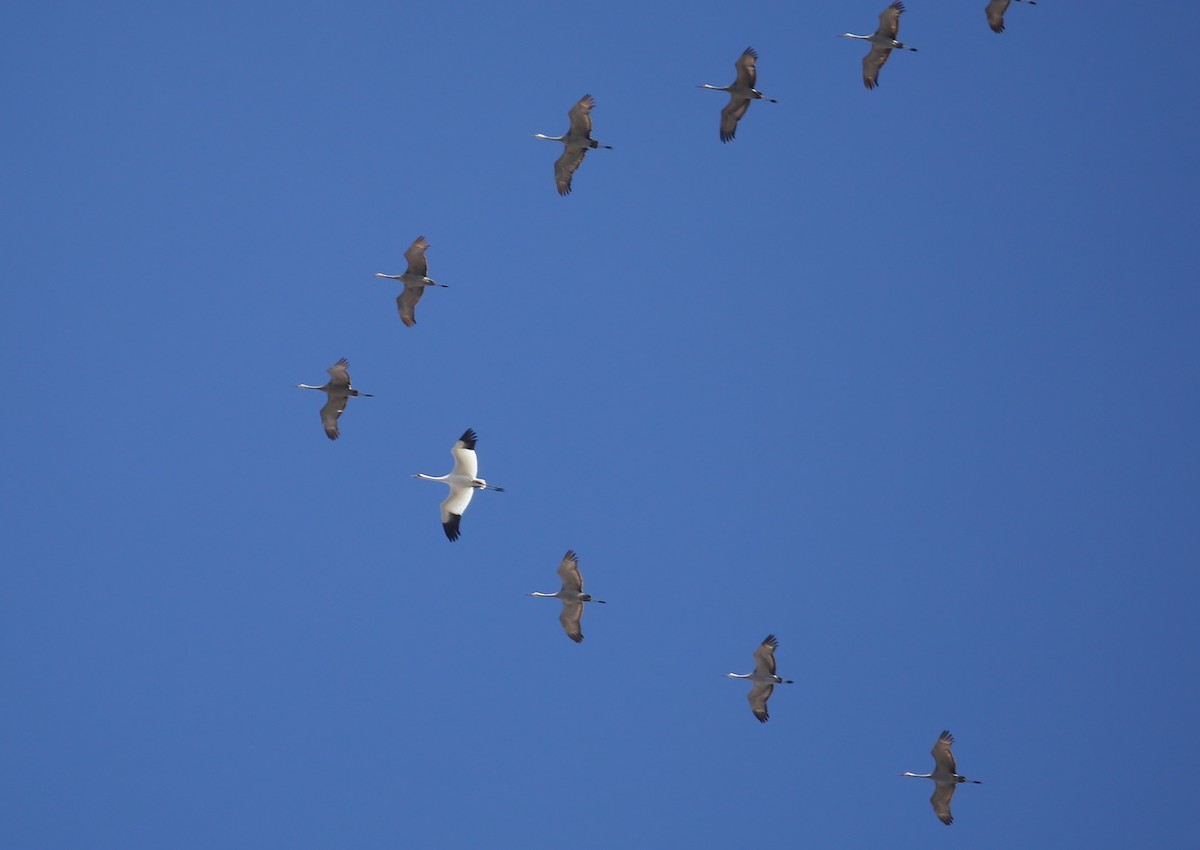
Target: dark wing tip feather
<point x="469" y="438"/>
<point x="451" y="527"/>
<point x="898" y="6"/>
<point x="771" y="641"/>
<point x="750" y="51"/>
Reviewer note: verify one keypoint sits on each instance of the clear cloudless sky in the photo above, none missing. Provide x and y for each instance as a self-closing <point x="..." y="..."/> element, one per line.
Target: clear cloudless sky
<point x="907" y="377"/>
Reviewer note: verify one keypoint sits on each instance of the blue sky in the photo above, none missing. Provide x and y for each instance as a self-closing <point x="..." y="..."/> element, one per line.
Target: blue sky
<point x="906" y="377"/>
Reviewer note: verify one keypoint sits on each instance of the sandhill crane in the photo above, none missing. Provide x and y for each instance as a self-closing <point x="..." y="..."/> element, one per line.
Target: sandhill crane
<point x="572" y="596"/>
<point x="462" y="482"/>
<point x="883" y="41"/>
<point x="995" y="10"/>
<point x="578" y="141"/>
<point x="741" y="92"/>
<point x="763" y="677"/>
<point x="945" y="775"/>
<point x="338" y="389"/>
<point x="414" y="279"/>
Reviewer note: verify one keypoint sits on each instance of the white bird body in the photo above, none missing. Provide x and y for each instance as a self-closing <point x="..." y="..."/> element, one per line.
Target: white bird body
<point x="337" y="389"/>
<point x="944" y="775"/>
<point x="415" y="278"/>
<point x="763" y="677"/>
<point x="741" y="92"/>
<point x="572" y="596"/>
<point x="995" y="10"/>
<point x="883" y="42"/>
<point x="463" y="481"/>
<point x="577" y="140"/>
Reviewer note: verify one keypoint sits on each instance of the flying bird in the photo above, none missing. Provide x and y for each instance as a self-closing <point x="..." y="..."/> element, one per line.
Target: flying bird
<point x="945" y="775"/>
<point x="415" y="280"/>
<point x="741" y="92"/>
<point x="763" y="677"/>
<point x="337" y="389"/>
<point x="883" y="41"/>
<point x="995" y="10"/>
<point x="578" y="141"/>
<point x="572" y="596"/>
<point x="462" y="481"/>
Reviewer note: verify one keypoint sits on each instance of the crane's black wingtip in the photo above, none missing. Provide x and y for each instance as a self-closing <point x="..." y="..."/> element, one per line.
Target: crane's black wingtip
<point x="450" y="526"/>
<point x="469" y="438"/>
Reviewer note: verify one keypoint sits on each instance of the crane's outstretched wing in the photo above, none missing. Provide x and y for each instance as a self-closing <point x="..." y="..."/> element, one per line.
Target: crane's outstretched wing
<point x="453" y="508"/>
<point x="758" y="696"/>
<point x="731" y="115"/>
<point x="942" y="757"/>
<point x="889" y="21"/>
<point x="466" y="462"/>
<point x="571" y="617"/>
<point x="747" y="72"/>
<point x="416" y="257"/>
<point x="872" y="62"/>
<point x="568" y="571"/>
<point x="566" y="166"/>
<point x="406" y="303"/>
<point x="330" y="412"/>
<point x="764" y="656"/>
<point x="581" y="118"/>
<point x="941" y="802"/>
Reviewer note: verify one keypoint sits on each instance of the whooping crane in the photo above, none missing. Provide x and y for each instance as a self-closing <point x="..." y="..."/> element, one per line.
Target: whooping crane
<point x="414" y="279"/>
<point x="572" y="596"/>
<point x="763" y="677"/>
<point x="741" y="92"/>
<point x="462" y="481"/>
<point x="995" y="10"/>
<point x="945" y="775"/>
<point x="883" y="41"/>
<point x="578" y="141"/>
<point x="338" y="389"/>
